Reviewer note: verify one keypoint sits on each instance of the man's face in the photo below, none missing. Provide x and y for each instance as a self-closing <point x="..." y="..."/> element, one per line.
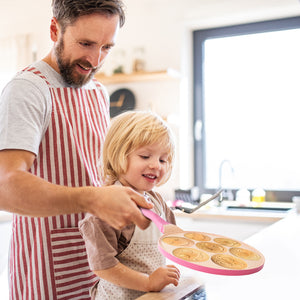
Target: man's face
<point x="81" y="50"/>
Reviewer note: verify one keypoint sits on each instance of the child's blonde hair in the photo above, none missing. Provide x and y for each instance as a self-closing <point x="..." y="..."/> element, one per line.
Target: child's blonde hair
<point x="129" y="131"/>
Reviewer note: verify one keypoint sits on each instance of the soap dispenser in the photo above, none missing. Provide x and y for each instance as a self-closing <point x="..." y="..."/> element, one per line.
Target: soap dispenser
<point x="258" y="195"/>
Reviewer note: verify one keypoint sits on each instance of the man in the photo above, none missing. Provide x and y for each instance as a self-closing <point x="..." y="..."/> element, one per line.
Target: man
<point x="53" y="120"/>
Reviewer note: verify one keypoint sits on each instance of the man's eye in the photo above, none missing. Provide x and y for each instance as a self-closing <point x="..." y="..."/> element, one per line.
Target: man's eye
<point x="85" y="44"/>
<point x="107" y="47"/>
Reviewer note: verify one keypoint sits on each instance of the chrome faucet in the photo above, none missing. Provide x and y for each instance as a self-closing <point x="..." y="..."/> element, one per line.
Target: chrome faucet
<point x="227" y="192"/>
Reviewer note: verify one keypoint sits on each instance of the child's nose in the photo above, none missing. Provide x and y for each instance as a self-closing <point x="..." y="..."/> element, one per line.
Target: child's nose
<point x="155" y="164"/>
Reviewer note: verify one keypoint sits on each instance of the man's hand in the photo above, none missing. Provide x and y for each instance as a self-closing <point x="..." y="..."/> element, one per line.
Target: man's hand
<point x="25" y="194"/>
<point x="117" y="205"/>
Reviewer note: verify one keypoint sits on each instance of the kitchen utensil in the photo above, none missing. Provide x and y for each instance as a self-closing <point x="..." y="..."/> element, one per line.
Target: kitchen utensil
<point x="206" y="252"/>
<point x="190" y="210"/>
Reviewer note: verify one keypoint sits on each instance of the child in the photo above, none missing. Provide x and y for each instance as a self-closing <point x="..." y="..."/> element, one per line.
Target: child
<point x="138" y="152"/>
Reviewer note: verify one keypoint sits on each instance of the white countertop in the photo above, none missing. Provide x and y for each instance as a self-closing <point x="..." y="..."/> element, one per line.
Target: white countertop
<point x="280" y="277"/>
<point x="214" y="212"/>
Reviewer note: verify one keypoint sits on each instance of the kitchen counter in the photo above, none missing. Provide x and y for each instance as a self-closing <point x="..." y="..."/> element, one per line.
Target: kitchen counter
<point x="187" y="286"/>
<point x="237" y="223"/>
<point x="279" y="243"/>
<point x="214" y="212"/>
<point x="229" y="210"/>
<point x="280" y="277"/>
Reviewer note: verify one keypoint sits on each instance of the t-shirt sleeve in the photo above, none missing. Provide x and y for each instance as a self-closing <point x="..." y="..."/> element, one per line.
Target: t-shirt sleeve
<point x="25" y="109"/>
<point x="101" y="241"/>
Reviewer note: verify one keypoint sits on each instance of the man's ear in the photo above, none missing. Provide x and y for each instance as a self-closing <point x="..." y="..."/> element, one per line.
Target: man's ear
<point x="54" y="30"/>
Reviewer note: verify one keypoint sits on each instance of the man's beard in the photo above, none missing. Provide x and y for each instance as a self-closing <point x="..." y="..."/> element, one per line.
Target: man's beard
<point x="67" y="68"/>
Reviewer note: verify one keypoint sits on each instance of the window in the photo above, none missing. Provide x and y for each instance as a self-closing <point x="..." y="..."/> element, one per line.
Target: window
<point x="247" y="108"/>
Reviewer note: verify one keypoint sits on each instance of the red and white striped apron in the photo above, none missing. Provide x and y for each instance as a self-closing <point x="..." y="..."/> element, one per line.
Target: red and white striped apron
<point x="48" y="258"/>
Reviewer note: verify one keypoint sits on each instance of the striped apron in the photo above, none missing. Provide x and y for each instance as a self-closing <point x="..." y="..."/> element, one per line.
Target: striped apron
<point x="47" y="257"/>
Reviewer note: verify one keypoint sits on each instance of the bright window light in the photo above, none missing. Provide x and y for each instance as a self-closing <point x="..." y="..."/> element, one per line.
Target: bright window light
<point x="251" y="104"/>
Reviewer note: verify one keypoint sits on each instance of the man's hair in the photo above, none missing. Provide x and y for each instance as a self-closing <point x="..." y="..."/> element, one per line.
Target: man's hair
<point x="66" y="12"/>
<point x="128" y="132"/>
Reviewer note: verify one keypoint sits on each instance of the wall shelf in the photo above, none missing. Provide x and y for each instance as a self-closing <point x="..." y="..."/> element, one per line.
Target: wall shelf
<point x="138" y="76"/>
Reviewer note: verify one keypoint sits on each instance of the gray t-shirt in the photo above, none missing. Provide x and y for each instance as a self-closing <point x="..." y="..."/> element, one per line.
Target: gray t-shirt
<point x="25" y="108"/>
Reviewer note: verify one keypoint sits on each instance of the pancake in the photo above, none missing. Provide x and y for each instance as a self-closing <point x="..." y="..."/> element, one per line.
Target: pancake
<point x="211" y="247"/>
<point x="177" y="241"/>
<point x="229" y="261"/>
<point x="227" y="242"/>
<point x="244" y="253"/>
<point x="197" y="236"/>
<point x="190" y="254"/>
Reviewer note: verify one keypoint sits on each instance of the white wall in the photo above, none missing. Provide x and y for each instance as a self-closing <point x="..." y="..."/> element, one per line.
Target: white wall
<point x="19" y="17"/>
<point x="163" y="28"/>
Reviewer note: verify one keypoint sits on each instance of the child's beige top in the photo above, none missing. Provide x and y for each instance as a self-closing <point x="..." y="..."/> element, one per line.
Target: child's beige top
<point x="104" y="243"/>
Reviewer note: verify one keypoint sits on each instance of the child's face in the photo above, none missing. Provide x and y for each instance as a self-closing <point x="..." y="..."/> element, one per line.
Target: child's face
<point x="146" y="167"/>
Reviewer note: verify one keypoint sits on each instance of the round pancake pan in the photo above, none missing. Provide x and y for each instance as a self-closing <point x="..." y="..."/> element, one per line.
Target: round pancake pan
<point x="206" y="252"/>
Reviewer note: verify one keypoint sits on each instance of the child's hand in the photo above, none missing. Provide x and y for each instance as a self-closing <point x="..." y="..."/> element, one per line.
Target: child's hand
<point x="163" y="276"/>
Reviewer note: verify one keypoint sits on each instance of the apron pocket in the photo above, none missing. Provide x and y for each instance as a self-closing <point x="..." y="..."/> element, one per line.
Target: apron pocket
<point x="72" y="274"/>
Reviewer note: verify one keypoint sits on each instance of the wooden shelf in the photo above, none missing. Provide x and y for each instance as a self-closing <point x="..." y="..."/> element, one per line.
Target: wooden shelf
<point x="138" y="76"/>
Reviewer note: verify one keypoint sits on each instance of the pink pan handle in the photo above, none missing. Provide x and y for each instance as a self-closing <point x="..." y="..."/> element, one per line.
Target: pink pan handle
<point x="158" y="221"/>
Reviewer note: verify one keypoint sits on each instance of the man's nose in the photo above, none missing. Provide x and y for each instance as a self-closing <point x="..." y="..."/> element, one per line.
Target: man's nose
<point x="96" y="58"/>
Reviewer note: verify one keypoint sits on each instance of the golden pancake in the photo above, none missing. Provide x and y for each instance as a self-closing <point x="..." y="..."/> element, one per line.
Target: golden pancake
<point x="190" y="254"/>
<point x="244" y="253"/>
<point x="197" y="236"/>
<point x="211" y="247"/>
<point x="229" y="261"/>
<point x="178" y="241"/>
<point x="227" y="242"/>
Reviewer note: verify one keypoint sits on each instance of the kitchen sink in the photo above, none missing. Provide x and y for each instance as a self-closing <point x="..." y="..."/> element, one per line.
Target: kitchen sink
<point x="259" y="208"/>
